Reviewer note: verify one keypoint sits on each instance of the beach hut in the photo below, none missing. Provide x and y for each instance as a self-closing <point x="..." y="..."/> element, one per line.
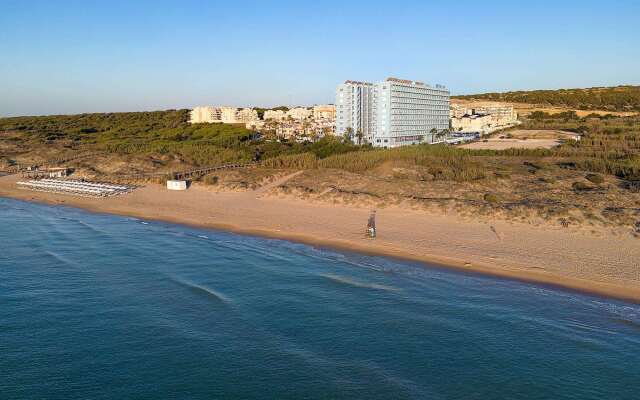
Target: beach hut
<point x="177" y="185"/>
<point x="57" y="172"/>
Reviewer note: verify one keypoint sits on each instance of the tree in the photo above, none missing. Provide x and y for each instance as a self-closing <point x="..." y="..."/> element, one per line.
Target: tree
<point x="433" y="131"/>
<point x="348" y="134"/>
<point x="442" y="134"/>
<point x="359" y="135"/>
<point x="314" y="136"/>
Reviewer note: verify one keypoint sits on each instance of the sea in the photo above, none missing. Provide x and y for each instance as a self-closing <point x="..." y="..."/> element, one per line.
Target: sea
<point x="96" y="306"/>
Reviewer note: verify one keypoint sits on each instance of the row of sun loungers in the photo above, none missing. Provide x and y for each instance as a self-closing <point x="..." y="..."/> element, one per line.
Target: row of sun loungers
<point x="77" y="188"/>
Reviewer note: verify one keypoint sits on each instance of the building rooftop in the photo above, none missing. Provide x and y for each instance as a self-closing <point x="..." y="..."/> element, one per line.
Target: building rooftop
<point x="358" y="83"/>
<point x="414" y="83"/>
<point x="405" y="81"/>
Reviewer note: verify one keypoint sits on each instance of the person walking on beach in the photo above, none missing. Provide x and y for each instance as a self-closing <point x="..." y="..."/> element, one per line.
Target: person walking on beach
<point x="371" y="225"/>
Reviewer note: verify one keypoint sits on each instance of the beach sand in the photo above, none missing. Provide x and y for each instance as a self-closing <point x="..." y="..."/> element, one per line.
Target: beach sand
<point x="594" y="261"/>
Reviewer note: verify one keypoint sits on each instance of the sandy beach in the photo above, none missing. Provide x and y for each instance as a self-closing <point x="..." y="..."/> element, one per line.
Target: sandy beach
<point x="593" y="261"/>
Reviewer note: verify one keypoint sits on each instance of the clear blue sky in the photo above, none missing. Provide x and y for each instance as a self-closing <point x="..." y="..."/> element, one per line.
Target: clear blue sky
<point x="90" y="56"/>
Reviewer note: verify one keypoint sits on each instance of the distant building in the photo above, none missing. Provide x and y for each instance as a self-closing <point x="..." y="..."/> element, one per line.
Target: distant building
<point x="457" y="111"/>
<point x="483" y="118"/>
<point x="502" y="113"/>
<point x="205" y="114"/>
<point x="324" y="112"/>
<point x="275" y="115"/>
<point x="246" y="115"/>
<point x="391" y="113"/>
<point x="227" y="115"/>
<point x="355" y="108"/>
<point x="255" y="125"/>
<point x="52" y="172"/>
<point x="299" y="113"/>
<point x="471" y="123"/>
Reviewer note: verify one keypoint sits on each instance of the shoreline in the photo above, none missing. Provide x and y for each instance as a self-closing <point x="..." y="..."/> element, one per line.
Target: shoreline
<point x="398" y="249"/>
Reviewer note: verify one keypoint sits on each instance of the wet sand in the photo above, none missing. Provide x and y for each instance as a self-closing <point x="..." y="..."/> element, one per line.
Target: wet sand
<point x="599" y="263"/>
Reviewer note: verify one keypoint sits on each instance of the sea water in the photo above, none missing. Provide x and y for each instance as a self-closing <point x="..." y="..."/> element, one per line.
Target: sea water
<point x="107" y="307"/>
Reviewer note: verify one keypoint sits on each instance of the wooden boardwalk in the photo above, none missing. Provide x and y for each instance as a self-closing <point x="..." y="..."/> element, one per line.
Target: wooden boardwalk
<point x="51" y="163"/>
<point x="188" y="174"/>
<point x="207" y="170"/>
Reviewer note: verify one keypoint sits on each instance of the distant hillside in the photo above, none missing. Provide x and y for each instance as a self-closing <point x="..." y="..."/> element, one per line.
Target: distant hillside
<point x="619" y="98"/>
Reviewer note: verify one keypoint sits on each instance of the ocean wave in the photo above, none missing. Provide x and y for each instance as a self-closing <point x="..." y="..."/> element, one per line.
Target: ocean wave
<point x="202" y="290"/>
<point x="354" y="283"/>
<point x="61" y="258"/>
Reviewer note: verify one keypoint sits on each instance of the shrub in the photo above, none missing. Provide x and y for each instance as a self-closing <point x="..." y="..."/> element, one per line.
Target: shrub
<point x="580" y="186"/>
<point x="595" y="178"/>
<point x="304" y="161"/>
<point x="490" y="198"/>
<point x="211" y="179"/>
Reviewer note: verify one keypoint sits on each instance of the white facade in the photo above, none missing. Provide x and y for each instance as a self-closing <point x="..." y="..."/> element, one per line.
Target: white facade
<point x="391" y="113"/>
<point x="324" y="111"/>
<point x="276" y="115"/>
<point x="227" y="115"/>
<point x="176" y="185"/>
<point x="299" y="113"/>
<point x="204" y="114"/>
<point x="246" y="115"/>
<point x="482" y="118"/>
<point x="355" y="109"/>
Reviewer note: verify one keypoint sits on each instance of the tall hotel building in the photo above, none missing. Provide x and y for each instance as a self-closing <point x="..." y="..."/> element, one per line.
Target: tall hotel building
<point x="391" y="113"/>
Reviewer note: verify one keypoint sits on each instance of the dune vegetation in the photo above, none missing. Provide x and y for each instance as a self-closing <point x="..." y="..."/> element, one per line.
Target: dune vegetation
<point x="610" y="145"/>
<point x="594" y="179"/>
<point x="618" y="98"/>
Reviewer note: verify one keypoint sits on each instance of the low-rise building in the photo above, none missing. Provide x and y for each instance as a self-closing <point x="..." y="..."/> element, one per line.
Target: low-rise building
<point x="205" y="114"/>
<point x="458" y="111"/>
<point x="471" y="123"/>
<point x="299" y="113"/>
<point x="327" y="111"/>
<point x="227" y="115"/>
<point x="246" y="115"/>
<point x="276" y="115"/>
<point x="501" y="113"/>
<point x="483" y="118"/>
<point x="255" y="125"/>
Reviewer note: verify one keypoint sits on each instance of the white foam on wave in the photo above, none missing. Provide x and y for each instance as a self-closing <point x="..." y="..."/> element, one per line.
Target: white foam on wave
<point x="203" y="290"/>
<point x="352" y="282"/>
<point x="60" y="258"/>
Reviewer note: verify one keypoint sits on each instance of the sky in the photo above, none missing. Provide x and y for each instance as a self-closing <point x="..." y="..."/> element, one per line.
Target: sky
<point x="65" y="57"/>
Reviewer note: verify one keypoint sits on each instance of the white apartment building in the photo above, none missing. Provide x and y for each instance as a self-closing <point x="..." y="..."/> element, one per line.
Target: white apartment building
<point x="391" y="113"/>
<point x="246" y="115"/>
<point x="275" y="115"/>
<point x="327" y="111"/>
<point x="299" y="113"/>
<point x="502" y="113"/>
<point x="355" y="109"/>
<point x="482" y="118"/>
<point x="226" y="115"/>
<point x="204" y="114"/>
